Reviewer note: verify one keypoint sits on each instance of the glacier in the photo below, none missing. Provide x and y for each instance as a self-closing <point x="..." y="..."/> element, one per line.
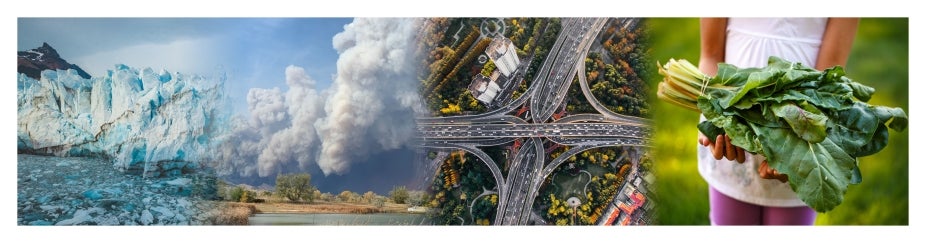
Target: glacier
<point x="150" y="123"/>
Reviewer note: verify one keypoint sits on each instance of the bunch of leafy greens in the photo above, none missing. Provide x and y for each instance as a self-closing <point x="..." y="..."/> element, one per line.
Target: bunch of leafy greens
<point x="809" y="124"/>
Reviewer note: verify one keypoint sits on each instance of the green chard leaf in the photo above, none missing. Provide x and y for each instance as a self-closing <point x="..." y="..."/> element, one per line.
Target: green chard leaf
<point x="760" y="115"/>
<point x="834" y="74"/>
<point x="730" y="75"/>
<point x="861" y="92"/>
<point x="779" y="64"/>
<point x="806" y="122"/>
<point x="853" y="128"/>
<point x="878" y="141"/>
<point x="819" y="173"/>
<point x="794" y="74"/>
<point x="740" y="132"/>
<point x="755" y="80"/>
<point x="856" y="174"/>
<point x="840" y="91"/>
<point x="825" y="100"/>
<point x="896" y="116"/>
<point x="708" y="129"/>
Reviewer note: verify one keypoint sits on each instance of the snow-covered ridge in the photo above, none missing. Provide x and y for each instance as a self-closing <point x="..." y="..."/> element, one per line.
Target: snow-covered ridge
<point x="38" y="57"/>
<point x="32" y="62"/>
<point x="148" y="122"/>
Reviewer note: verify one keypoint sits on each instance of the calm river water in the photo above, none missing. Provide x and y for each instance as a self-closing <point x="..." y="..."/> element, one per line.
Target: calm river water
<point x="339" y="219"/>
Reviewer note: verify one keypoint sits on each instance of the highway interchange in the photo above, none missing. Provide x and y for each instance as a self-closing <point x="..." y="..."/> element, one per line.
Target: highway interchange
<point x="581" y="132"/>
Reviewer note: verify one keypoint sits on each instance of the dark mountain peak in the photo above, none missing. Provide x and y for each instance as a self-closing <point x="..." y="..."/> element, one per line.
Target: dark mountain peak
<point x="47" y="51"/>
<point x="33" y="62"/>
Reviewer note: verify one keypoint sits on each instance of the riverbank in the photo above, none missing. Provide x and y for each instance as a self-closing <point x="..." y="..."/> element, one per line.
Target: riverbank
<point x="318" y="207"/>
<point x="236" y="213"/>
<point x="337" y="219"/>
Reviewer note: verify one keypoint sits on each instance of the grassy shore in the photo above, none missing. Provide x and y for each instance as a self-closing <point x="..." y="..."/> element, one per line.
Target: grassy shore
<point x="234" y="213"/>
<point x="229" y="213"/>
<point x="328" y="207"/>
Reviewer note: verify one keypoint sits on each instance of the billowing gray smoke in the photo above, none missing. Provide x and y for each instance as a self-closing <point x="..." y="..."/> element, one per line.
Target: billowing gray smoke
<point x="375" y="96"/>
<point x="369" y="108"/>
<point x="298" y="140"/>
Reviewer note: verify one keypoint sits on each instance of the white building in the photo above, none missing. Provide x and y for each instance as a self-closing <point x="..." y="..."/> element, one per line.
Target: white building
<point x="485" y="88"/>
<point x="504" y="54"/>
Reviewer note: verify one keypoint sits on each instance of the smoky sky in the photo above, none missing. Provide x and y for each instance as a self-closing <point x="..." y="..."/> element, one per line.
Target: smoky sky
<point x="356" y="131"/>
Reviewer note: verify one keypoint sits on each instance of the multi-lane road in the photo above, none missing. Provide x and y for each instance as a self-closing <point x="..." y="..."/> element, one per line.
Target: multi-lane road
<point x="455" y="133"/>
<point x="528" y="168"/>
<point x="579" y="34"/>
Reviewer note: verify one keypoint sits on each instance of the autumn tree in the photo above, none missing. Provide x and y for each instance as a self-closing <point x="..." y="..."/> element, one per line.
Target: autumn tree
<point x="247" y="196"/>
<point x="328" y="197"/>
<point x="369" y="197"/>
<point x="348" y="196"/>
<point x="295" y="187"/>
<point x="241" y="194"/>
<point x="399" y="194"/>
<point x="235" y="194"/>
<point x="451" y="109"/>
<point x="488" y="68"/>
<point x="379" y="201"/>
<point x="624" y="169"/>
<point x="417" y="198"/>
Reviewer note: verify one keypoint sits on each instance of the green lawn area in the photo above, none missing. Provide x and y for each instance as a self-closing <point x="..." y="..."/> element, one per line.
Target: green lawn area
<point x="596" y="170"/>
<point x="879" y="59"/>
<point x="566" y="186"/>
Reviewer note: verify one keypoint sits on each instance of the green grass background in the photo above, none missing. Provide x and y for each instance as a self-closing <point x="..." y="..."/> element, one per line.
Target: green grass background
<point x="879" y="59"/>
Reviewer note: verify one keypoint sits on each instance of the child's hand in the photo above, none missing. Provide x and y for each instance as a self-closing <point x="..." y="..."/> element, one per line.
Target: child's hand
<point x="770" y="173"/>
<point x="723" y="148"/>
<point x="734" y="153"/>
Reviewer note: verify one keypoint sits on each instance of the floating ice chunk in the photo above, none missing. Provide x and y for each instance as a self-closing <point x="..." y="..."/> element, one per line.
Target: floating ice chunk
<point x="179" y="182"/>
<point x="81" y="216"/>
<point x="146" y="217"/>
<point x="183" y="203"/>
<point x="52" y="208"/>
<point x="113" y="191"/>
<point x="92" y="194"/>
<point x="41" y="223"/>
<point x="107" y="220"/>
<point x="165" y="212"/>
<point x="43" y="199"/>
<point x="181" y="218"/>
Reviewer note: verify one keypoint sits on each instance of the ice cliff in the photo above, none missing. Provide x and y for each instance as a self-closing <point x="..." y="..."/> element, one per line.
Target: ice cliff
<point x="154" y="123"/>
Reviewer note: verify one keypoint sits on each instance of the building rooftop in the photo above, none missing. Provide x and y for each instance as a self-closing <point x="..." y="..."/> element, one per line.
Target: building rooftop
<point x="483" y="88"/>
<point x="612" y="217"/>
<point x="638" y="199"/>
<point x="498" y="47"/>
<point x="625" y="221"/>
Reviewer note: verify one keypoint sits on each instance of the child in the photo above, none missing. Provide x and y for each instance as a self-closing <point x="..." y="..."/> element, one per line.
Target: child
<point x="747" y="191"/>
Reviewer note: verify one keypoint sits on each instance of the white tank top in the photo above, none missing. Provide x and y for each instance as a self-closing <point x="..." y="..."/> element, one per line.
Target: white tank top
<point x="749" y="43"/>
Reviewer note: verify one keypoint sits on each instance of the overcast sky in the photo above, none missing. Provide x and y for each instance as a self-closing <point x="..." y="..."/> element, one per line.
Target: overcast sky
<point x="253" y="51"/>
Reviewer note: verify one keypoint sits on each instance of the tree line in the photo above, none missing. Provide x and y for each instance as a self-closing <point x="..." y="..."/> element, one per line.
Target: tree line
<point x="298" y="188"/>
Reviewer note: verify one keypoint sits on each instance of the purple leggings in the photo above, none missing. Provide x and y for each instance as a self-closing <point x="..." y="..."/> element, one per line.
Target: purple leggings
<point x="728" y="211"/>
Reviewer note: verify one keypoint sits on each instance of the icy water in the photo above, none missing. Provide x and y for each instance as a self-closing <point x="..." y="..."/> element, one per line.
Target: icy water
<point x="339" y="219"/>
<point x="89" y="191"/>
